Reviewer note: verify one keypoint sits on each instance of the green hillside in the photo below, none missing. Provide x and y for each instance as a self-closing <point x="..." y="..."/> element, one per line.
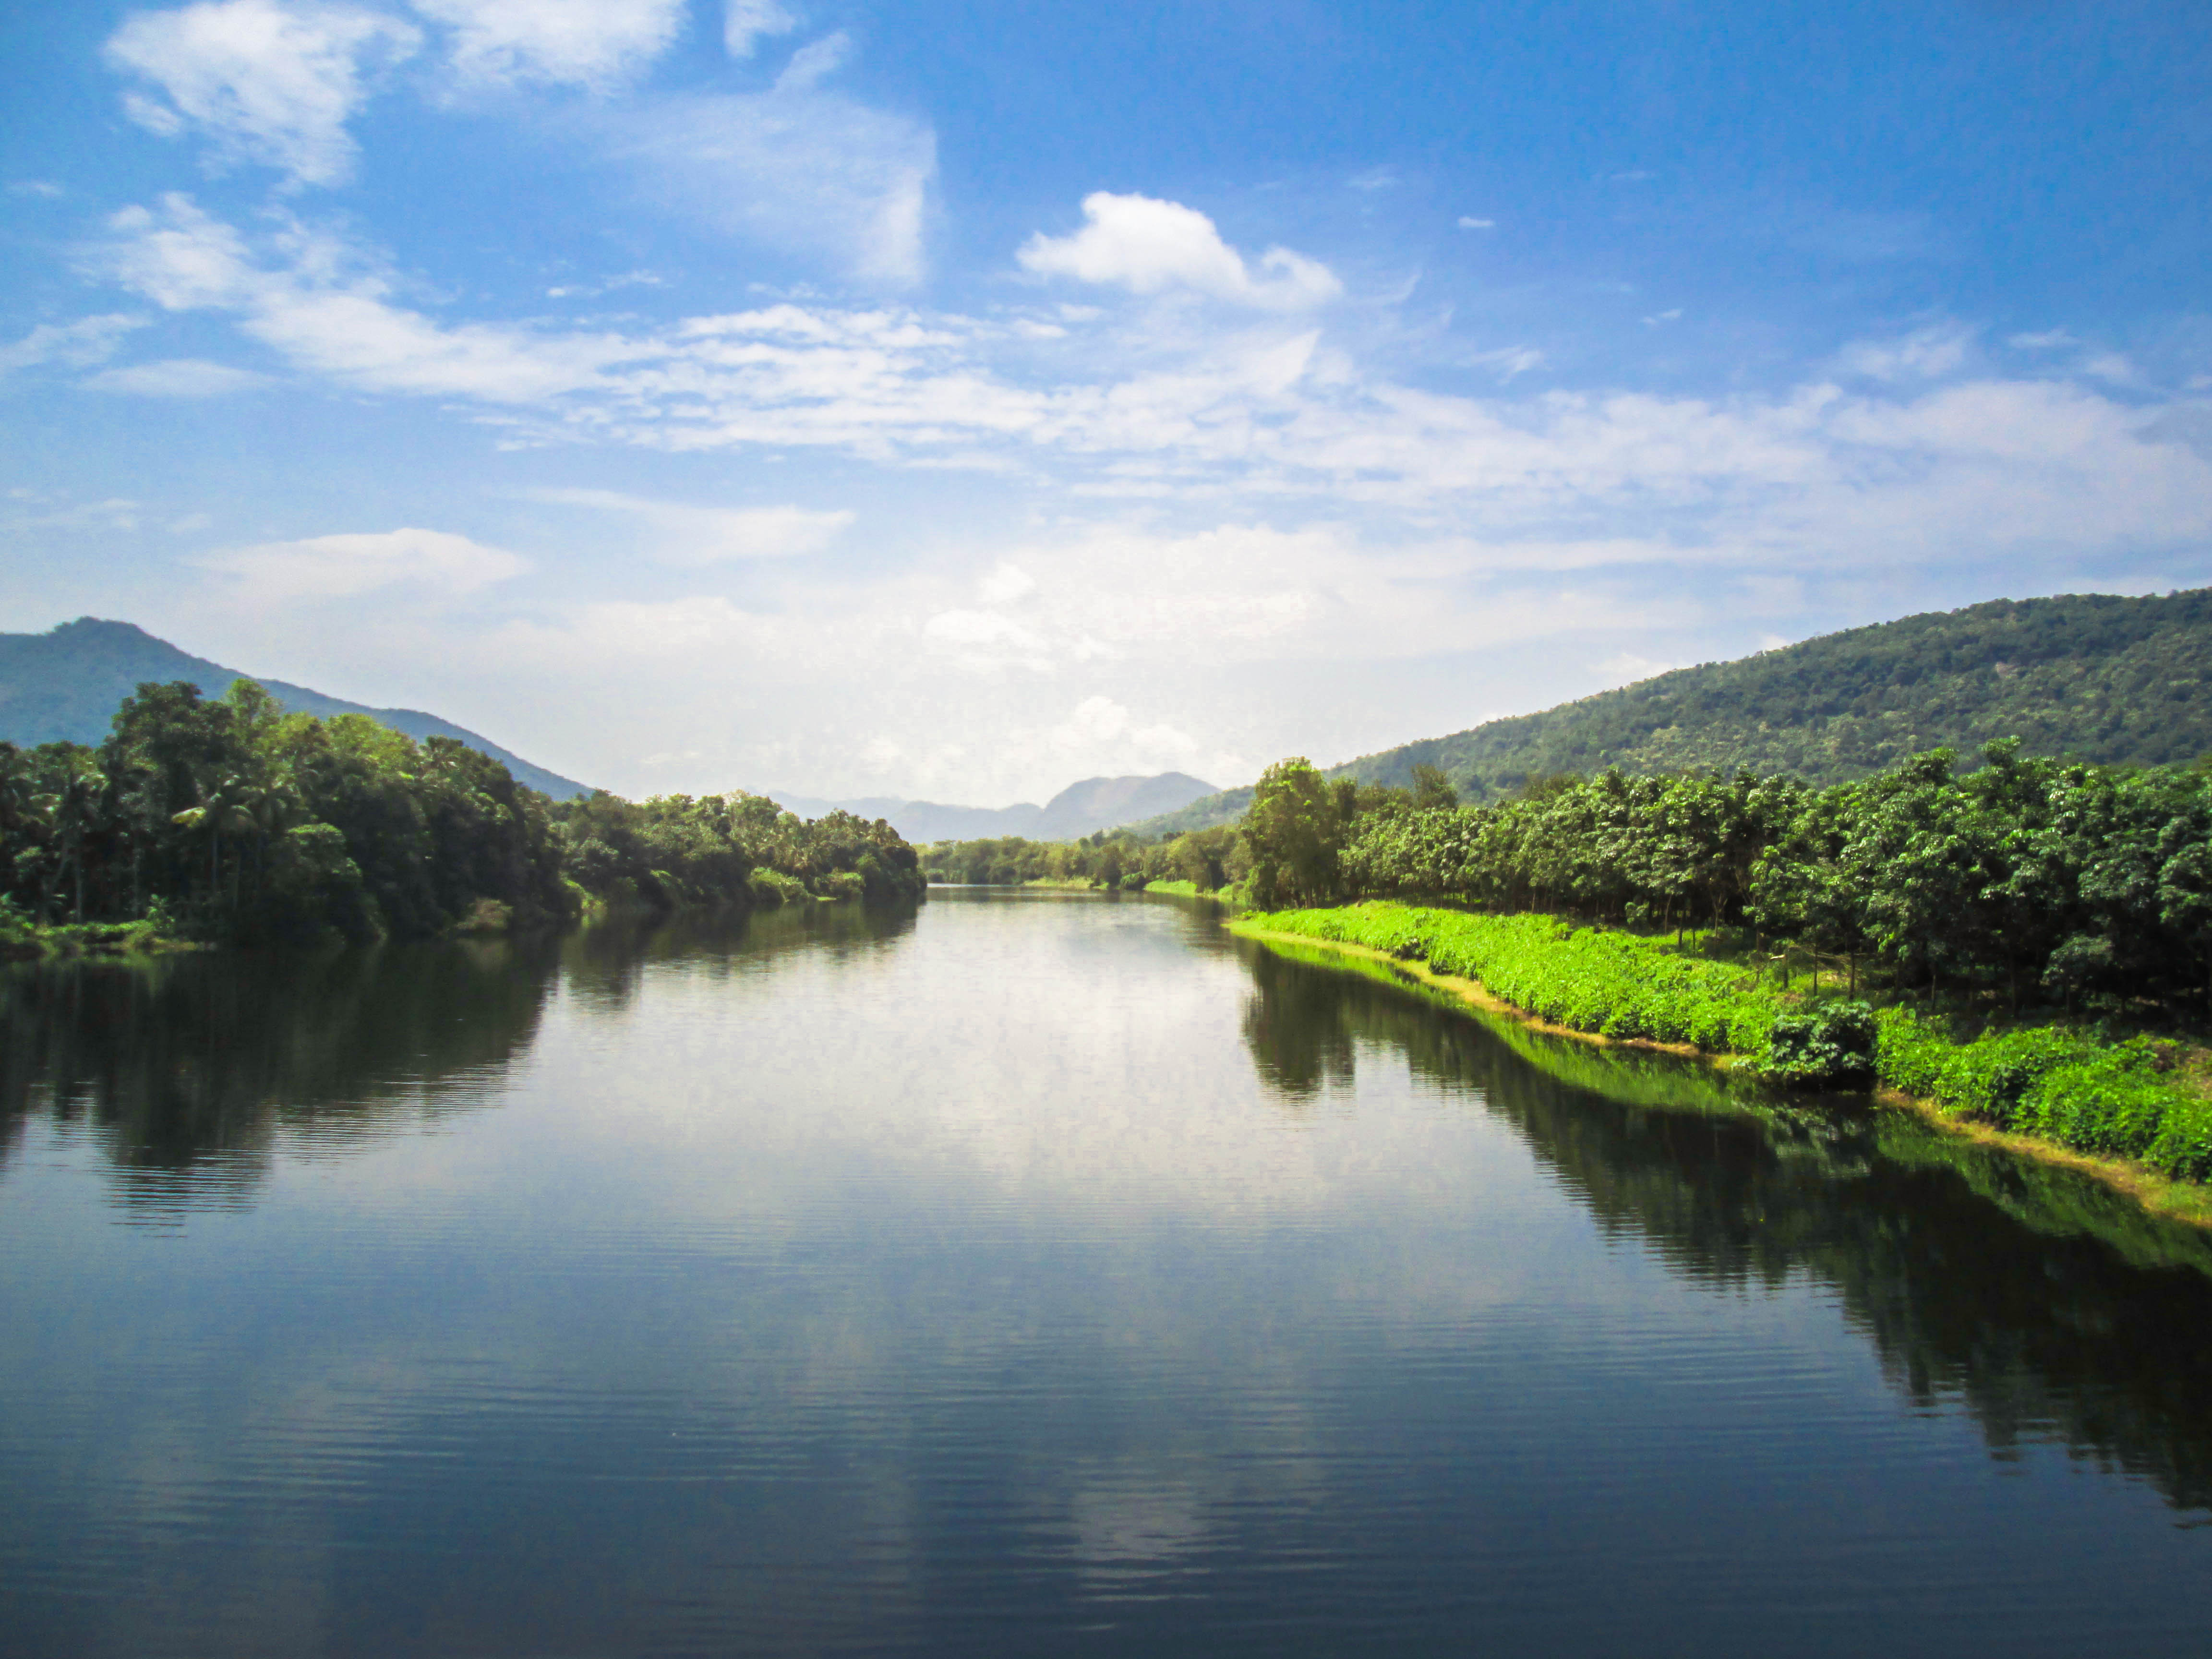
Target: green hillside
<point x="2104" y="678"/>
<point x="64" y="686"/>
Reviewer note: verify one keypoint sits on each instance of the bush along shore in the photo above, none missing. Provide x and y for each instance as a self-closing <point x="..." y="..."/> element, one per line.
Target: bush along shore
<point x="2138" y="1099"/>
<point x="230" y="821"/>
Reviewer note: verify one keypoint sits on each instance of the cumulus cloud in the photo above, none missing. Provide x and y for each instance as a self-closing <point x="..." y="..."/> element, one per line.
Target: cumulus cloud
<point x="1150" y="246"/>
<point x="323" y="567"/>
<point x="711" y="535"/>
<point x="746" y="23"/>
<point x="266" y="83"/>
<point x="87" y="340"/>
<point x="177" y="377"/>
<point x="596" y="44"/>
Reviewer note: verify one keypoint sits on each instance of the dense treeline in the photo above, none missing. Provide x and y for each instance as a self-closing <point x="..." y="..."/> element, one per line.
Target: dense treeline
<point x="1207" y="859"/>
<point x="231" y="819"/>
<point x="2025" y="881"/>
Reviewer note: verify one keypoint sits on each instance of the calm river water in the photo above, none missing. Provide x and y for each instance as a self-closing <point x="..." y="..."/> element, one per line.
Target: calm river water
<point x="1033" y="1275"/>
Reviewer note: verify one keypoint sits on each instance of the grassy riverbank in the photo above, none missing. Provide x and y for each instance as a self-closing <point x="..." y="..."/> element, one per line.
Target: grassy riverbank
<point x="2140" y="1106"/>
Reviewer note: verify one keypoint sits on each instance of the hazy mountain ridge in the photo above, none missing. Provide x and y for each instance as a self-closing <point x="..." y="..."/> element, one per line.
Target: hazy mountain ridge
<point x="65" y="685"/>
<point x="1092" y="804"/>
<point x="2110" y="680"/>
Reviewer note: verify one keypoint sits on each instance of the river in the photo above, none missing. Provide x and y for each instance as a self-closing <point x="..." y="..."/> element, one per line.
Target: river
<point x="1035" y="1273"/>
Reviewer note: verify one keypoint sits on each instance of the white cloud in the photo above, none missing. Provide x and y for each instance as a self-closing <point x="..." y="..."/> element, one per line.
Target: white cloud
<point x="598" y="44"/>
<point x="1150" y="246"/>
<point x="1262" y="416"/>
<point x="316" y="307"/>
<point x="2048" y="340"/>
<point x="746" y="22"/>
<point x="705" y="535"/>
<point x="803" y="170"/>
<point x="1925" y="354"/>
<point x="268" y="83"/>
<point x="1008" y="583"/>
<point x="323" y="567"/>
<point x="1466" y="223"/>
<point x="41" y="188"/>
<point x="1099" y="724"/>
<point x="814" y="62"/>
<point x="87" y="340"/>
<point x="177" y="377"/>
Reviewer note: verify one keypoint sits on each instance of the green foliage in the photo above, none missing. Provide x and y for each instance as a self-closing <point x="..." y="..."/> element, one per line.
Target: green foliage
<point x="1587" y="979"/>
<point x="234" y="820"/>
<point x="2057" y="1084"/>
<point x="2025" y="881"/>
<point x="1203" y="862"/>
<point x="1833" y="1046"/>
<point x="1294" y="832"/>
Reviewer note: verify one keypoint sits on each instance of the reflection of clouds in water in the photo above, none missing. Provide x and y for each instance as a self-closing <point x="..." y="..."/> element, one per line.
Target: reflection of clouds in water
<point x="1127" y="1531"/>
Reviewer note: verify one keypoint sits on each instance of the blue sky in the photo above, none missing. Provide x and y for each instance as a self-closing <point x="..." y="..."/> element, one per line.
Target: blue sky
<point x="958" y="401"/>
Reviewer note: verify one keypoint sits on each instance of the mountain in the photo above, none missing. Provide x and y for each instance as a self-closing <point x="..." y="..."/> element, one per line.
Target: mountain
<point x="66" y="684"/>
<point x="1079" y="809"/>
<point x="2120" y="681"/>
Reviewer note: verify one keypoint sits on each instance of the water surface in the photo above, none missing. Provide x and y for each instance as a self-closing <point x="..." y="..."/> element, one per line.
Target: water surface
<point x="1034" y="1274"/>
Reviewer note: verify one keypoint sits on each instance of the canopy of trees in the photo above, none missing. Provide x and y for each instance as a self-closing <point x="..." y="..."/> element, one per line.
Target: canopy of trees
<point x="2028" y="878"/>
<point x="232" y="819"/>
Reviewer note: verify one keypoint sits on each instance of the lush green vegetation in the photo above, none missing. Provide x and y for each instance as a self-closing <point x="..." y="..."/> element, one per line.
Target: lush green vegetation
<point x="231" y="819"/>
<point x="2078" y="1089"/>
<point x="2026" y="883"/>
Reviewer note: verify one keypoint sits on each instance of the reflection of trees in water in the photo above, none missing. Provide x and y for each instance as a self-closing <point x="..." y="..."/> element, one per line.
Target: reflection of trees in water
<point x="2013" y="1289"/>
<point x="1296" y="1029"/>
<point x="190" y="1067"/>
<point x="607" y="962"/>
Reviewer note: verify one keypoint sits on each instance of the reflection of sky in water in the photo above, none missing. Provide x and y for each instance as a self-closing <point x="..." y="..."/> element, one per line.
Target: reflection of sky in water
<point x="1045" y="1272"/>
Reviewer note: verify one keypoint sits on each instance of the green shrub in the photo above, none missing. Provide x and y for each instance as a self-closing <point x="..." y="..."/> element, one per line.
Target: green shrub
<point x="1832" y="1046"/>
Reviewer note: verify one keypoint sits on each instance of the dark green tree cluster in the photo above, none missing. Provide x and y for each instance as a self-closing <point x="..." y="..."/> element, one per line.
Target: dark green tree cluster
<point x="1207" y="858"/>
<point x="2027" y="880"/>
<point x="231" y="819"/>
<point x="678" y="850"/>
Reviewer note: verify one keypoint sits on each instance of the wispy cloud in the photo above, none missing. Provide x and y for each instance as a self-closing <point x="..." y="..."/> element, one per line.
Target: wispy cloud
<point x="687" y="535"/>
<point x="746" y="23"/>
<point x="178" y="377"/>
<point x="1919" y="458"/>
<point x="595" y="44"/>
<point x="798" y="168"/>
<point x="1925" y="354"/>
<point x="264" y="83"/>
<point x="87" y="340"/>
<point x="343" y="567"/>
<point x="1150" y="246"/>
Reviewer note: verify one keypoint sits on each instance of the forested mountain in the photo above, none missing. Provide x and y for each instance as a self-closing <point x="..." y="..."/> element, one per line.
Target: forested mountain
<point x="1078" y="810"/>
<point x="2119" y="681"/>
<point x="64" y="686"/>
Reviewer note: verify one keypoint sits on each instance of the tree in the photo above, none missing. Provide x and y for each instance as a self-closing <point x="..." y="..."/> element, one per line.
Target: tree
<point x="1294" y="830"/>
